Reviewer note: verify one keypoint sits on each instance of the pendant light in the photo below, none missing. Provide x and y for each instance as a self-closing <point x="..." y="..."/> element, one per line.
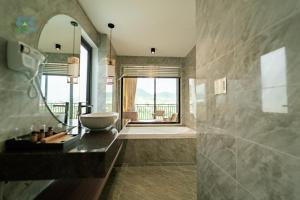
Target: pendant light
<point x="110" y="65"/>
<point x="73" y="61"/>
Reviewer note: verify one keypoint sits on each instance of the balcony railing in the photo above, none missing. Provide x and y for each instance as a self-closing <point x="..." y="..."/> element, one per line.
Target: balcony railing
<point x="59" y="108"/>
<point x="145" y="111"/>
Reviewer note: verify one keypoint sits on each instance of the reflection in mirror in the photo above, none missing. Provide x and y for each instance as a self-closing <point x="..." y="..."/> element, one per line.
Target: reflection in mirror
<point x="61" y="86"/>
<point x="201" y="99"/>
<point x="200" y="89"/>
<point x="273" y="81"/>
<point x="192" y="97"/>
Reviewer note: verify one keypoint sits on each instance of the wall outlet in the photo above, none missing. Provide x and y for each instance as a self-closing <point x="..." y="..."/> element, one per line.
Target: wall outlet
<point x="221" y="86"/>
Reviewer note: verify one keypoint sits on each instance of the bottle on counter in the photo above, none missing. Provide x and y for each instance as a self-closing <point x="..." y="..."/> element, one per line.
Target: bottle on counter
<point x="49" y="132"/>
<point x="41" y="134"/>
<point x="34" y="136"/>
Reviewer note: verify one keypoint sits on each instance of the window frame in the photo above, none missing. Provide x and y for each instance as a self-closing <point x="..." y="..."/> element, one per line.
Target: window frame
<point x="89" y="49"/>
<point x="155" y="77"/>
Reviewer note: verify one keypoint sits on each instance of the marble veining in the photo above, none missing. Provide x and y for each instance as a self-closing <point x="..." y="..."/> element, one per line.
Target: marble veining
<point x="245" y="151"/>
<point x="140" y="152"/>
<point x="151" y="182"/>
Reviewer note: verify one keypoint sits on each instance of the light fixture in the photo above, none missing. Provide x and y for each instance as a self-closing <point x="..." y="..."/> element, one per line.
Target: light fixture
<point x="110" y="65"/>
<point x="152" y="50"/>
<point x="72" y="80"/>
<point x="109" y="81"/>
<point x="73" y="61"/>
<point x="58" y="47"/>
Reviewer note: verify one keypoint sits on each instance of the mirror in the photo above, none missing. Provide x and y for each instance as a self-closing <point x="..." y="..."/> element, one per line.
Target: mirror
<point x="60" y="41"/>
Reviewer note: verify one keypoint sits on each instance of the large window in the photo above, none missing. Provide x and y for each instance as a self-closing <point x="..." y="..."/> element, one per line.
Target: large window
<point x="151" y="100"/>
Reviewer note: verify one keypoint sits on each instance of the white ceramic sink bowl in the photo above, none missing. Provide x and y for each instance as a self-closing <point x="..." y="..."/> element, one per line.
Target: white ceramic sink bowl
<point x="99" y="120"/>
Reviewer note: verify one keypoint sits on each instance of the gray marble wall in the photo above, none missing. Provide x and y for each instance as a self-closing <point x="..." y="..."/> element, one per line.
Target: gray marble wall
<point x="189" y="90"/>
<point x="18" y="111"/>
<point x="248" y="142"/>
<point x="101" y="74"/>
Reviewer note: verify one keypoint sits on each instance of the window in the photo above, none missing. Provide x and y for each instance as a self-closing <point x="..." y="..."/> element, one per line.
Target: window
<point x="60" y="94"/>
<point x="109" y="94"/>
<point x="274" y="82"/>
<point x="151" y="100"/>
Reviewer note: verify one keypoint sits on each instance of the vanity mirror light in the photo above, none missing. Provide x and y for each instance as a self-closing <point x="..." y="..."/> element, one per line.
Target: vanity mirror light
<point x="64" y="76"/>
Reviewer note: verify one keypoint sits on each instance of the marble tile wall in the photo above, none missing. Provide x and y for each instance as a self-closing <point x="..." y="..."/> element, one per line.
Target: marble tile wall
<point x="101" y="74"/>
<point x="18" y="111"/>
<point x="248" y="141"/>
<point x="189" y="89"/>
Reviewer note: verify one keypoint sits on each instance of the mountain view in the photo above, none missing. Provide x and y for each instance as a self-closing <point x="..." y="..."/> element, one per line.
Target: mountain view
<point x="143" y="97"/>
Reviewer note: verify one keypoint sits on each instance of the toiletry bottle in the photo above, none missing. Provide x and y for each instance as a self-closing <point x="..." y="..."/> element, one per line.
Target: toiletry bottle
<point x="34" y="136"/>
<point x="50" y="131"/>
<point x="41" y="134"/>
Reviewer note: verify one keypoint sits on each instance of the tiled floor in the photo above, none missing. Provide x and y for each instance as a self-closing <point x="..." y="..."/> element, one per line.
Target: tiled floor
<point x="151" y="183"/>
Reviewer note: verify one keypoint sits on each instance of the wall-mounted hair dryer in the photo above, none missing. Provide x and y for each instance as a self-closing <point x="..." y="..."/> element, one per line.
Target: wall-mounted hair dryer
<point x="23" y="58"/>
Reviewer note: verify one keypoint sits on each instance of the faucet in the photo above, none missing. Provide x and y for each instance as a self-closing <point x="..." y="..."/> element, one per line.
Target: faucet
<point x="79" y="112"/>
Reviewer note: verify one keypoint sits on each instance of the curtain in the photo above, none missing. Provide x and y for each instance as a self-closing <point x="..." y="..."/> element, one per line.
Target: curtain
<point x="129" y="94"/>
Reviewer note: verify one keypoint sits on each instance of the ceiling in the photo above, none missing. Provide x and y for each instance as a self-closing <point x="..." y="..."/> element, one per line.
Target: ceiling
<point x="60" y="25"/>
<point x="167" y="25"/>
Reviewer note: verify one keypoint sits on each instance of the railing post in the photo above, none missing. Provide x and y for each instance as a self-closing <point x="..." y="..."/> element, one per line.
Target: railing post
<point x="66" y="112"/>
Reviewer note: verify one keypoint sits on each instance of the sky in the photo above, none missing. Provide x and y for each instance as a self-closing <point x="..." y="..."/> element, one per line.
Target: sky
<point x="162" y="85"/>
<point x="59" y="89"/>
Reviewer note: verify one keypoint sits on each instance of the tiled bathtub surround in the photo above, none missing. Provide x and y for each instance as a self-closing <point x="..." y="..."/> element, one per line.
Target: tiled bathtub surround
<point x="140" y="152"/>
<point x="248" y="146"/>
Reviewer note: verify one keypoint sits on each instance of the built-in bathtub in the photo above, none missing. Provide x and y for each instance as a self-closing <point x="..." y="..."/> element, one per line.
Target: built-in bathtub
<point x="158" y="145"/>
<point x="162" y="132"/>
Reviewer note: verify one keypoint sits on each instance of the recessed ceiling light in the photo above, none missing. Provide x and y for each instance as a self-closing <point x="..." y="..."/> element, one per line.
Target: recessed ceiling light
<point x="152" y="50"/>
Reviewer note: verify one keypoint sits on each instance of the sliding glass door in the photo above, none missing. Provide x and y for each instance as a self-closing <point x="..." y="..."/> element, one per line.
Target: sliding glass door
<point x="81" y="91"/>
<point x="151" y="100"/>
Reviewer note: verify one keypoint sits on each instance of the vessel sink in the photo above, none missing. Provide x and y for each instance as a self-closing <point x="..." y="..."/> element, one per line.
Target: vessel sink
<point x="99" y="120"/>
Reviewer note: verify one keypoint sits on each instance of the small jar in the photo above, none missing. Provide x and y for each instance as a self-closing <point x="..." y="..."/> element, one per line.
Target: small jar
<point x="41" y="134"/>
<point x="50" y="131"/>
<point x="34" y="136"/>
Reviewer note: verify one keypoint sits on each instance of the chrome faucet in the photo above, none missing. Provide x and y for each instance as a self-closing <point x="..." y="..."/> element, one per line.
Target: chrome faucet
<point x="79" y="112"/>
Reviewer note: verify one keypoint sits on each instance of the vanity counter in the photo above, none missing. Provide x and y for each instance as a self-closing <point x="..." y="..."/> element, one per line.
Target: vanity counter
<point x="93" y="156"/>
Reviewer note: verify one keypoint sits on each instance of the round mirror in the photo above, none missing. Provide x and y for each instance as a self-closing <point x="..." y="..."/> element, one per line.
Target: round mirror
<point x="63" y="76"/>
